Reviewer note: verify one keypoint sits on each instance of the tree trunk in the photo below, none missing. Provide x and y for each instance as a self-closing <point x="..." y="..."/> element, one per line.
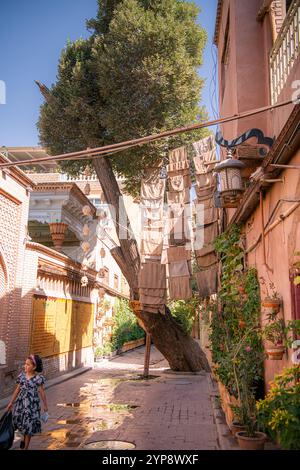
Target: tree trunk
<point x="180" y="350"/>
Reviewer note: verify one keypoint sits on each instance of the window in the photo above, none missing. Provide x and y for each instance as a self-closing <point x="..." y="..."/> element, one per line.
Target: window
<point x="106" y="275"/>
<point x="116" y="282"/>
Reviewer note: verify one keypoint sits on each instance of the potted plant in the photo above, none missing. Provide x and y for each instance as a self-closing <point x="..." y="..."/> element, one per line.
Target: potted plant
<point x="274" y="332"/>
<point x="278" y="414"/>
<point x="236" y="425"/>
<point x="273" y="301"/>
<point x="249" y="438"/>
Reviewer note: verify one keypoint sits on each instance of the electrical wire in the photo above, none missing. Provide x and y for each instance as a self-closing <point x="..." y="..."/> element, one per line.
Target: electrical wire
<point x="108" y="149"/>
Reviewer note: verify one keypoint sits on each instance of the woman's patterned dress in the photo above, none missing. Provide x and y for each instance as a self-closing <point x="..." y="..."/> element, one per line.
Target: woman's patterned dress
<point x="27" y="411"/>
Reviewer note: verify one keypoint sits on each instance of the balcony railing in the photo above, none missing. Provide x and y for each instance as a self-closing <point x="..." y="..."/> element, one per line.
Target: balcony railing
<point x="285" y="51"/>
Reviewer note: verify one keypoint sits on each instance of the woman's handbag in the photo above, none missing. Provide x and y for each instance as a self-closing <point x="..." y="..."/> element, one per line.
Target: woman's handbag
<point x="7" y="432"/>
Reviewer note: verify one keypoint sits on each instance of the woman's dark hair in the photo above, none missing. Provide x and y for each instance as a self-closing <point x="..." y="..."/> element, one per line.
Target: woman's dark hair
<point x="37" y="362"/>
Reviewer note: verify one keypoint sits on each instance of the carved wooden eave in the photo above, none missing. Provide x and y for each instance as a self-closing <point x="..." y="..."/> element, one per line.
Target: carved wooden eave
<point x="218" y="21"/>
<point x="282" y="151"/>
<point x="265" y="7"/>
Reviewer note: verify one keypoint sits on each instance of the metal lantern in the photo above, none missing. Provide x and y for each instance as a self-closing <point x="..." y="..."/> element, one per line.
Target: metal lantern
<point x="102" y="253"/>
<point x="85" y="246"/>
<point x="230" y="179"/>
<point x="86" y="210"/>
<point x="86" y="230"/>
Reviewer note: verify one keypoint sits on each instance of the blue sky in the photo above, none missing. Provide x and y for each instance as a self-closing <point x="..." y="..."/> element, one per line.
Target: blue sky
<point x="32" y="35"/>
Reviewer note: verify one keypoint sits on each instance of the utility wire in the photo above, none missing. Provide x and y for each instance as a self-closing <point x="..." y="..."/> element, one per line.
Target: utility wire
<point x="108" y="149"/>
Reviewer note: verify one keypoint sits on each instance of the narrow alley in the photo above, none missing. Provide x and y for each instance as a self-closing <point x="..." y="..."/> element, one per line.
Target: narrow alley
<point x="112" y="403"/>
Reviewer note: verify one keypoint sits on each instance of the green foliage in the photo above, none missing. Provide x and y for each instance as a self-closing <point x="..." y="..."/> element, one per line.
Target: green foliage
<point x="104" y="350"/>
<point x="136" y="75"/>
<point x="125" y="326"/>
<point x="183" y="312"/>
<point x="279" y="413"/>
<point x="237" y="350"/>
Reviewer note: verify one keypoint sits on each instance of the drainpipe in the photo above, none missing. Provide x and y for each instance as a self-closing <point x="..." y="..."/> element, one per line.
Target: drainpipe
<point x="261" y="203"/>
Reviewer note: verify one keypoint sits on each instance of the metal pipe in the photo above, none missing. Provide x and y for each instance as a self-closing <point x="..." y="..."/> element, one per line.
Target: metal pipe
<point x="261" y="202"/>
<point x="147" y="356"/>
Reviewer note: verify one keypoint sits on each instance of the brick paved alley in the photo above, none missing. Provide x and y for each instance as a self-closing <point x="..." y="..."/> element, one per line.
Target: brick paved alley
<point x="111" y="402"/>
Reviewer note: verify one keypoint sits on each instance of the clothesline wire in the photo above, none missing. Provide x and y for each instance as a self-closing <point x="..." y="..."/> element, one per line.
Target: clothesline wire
<point x="109" y="149"/>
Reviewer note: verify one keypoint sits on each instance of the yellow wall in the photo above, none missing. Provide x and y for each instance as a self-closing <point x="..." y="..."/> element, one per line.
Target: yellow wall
<point x="60" y="326"/>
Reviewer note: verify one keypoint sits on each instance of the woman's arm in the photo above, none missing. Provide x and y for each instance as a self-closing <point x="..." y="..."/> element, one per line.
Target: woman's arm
<point x="15" y="394"/>
<point x="43" y="397"/>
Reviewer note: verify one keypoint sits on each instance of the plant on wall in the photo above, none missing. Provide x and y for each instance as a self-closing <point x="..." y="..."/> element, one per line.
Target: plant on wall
<point x="237" y="350"/>
<point x="279" y="413"/>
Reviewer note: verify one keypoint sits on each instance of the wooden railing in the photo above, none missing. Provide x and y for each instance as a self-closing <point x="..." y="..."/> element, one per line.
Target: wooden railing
<point x="285" y="51"/>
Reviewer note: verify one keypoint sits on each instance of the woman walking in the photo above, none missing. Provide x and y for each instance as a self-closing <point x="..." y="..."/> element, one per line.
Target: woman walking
<point x="27" y="412"/>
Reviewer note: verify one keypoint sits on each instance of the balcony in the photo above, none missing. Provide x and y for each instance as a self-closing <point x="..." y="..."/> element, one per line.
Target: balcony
<point x="285" y="51"/>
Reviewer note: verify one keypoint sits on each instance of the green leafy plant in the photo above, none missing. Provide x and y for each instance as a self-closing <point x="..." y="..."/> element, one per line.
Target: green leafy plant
<point x="279" y="413"/>
<point x="236" y="345"/>
<point x="183" y="312"/>
<point x="272" y="294"/>
<point x="104" y="350"/>
<point x="126" y="327"/>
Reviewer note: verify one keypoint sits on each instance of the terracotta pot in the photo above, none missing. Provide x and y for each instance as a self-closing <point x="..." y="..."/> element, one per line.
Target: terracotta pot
<point x="236" y="427"/>
<point x="275" y="353"/>
<point x="272" y="304"/>
<point x="251" y="443"/>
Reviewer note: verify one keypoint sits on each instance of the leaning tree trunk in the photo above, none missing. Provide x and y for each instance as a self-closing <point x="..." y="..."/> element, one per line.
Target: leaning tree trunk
<point x="180" y="349"/>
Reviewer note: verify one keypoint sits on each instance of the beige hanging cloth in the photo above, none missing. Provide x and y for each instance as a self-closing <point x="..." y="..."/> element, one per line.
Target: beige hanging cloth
<point x="152" y="276"/>
<point x="178" y="155"/>
<point x="178" y="269"/>
<point x="207" y="281"/>
<point x="179" y="166"/>
<point x="179" y="288"/>
<point x="152" y="241"/>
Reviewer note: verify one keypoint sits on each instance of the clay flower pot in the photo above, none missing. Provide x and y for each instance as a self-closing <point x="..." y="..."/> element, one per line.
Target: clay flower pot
<point x="275" y="353"/>
<point x="272" y="305"/>
<point x="251" y="443"/>
<point x="236" y="427"/>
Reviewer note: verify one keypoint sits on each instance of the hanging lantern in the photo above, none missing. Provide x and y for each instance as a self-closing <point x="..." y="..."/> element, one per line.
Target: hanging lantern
<point x="87" y="189"/>
<point x="85" y="246"/>
<point x="102" y="253"/>
<point x="230" y="179"/>
<point x="84" y="281"/>
<point x="102" y="214"/>
<point x="86" y="230"/>
<point x="86" y="210"/>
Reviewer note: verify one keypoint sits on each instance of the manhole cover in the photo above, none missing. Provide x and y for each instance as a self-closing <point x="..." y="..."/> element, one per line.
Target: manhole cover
<point x="111" y="445"/>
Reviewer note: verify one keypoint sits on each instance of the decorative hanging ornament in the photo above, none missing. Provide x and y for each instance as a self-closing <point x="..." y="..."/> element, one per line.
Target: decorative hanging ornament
<point x="86" y="230"/>
<point x="102" y="214"/>
<point x="87" y="189"/>
<point x="85" y="246"/>
<point x="84" y="281"/>
<point x="86" y="210"/>
<point x="102" y="253"/>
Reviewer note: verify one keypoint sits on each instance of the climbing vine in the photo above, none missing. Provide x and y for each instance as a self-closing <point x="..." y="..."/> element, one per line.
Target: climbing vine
<point x="237" y="350"/>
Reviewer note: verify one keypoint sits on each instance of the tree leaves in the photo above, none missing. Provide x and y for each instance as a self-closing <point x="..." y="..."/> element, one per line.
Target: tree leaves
<point x="136" y="75"/>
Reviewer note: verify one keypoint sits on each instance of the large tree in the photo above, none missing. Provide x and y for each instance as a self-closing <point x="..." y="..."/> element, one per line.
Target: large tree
<point x="134" y="76"/>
